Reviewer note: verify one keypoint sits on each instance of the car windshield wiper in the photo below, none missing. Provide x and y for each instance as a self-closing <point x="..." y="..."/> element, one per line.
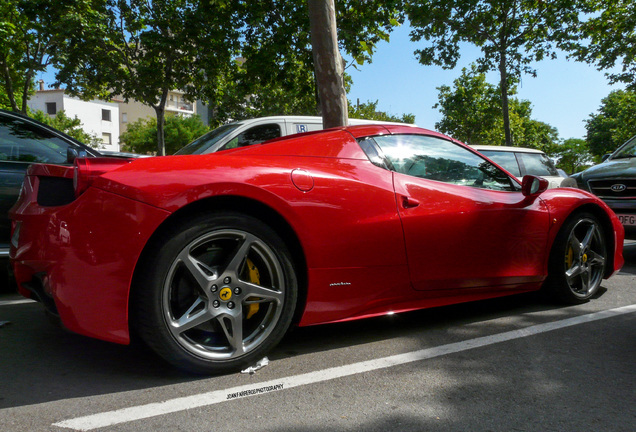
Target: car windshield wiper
<point x="624" y="156"/>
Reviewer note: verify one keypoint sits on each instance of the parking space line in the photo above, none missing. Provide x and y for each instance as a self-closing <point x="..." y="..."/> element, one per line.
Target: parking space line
<point x="130" y="414"/>
<point x="15" y="302"/>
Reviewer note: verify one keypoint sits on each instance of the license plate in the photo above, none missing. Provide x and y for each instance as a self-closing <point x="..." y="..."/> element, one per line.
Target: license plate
<point x="627" y="220"/>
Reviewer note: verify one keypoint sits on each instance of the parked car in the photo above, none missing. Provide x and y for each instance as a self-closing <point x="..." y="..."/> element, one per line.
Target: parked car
<point x="255" y="131"/>
<point x="211" y="258"/>
<point x="24" y="141"/>
<point x="521" y="161"/>
<point x="614" y="181"/>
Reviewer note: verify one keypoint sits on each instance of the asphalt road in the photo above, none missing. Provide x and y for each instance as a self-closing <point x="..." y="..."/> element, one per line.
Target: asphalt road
<point x="510" y="364"/>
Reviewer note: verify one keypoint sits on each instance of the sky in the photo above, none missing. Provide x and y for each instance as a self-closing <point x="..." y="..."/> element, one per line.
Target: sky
<point x="563" y="94"/>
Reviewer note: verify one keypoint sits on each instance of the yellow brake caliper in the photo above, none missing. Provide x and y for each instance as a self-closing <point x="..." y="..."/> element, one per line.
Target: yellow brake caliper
<point x="569" y="257"/>
<point x="255" y="278"/>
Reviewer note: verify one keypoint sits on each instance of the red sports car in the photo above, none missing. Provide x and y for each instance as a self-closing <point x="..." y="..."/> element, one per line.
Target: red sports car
<point x="211" y="258"/>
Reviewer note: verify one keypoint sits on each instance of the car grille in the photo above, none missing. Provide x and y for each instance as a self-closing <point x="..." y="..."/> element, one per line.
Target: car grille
<point x="614" y="189"/>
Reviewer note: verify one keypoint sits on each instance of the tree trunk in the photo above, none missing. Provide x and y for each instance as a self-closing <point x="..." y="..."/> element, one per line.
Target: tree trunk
<point x="503" y="73"/>
<point x="328" y="63"/>
<point x="9" y="85"/>
<point x="28" y="80"/>
<point x="160" y="110"/>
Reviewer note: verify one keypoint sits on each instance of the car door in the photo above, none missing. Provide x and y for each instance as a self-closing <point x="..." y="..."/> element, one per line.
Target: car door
<point x="466" y="223"/>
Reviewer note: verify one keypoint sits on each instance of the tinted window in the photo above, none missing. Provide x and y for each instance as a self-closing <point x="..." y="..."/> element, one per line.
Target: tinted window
<point x="508" y="160"/>
<point x="22" y="142"/>
<point x="203" y="143"/>
<point x="538" y="164"/>
<point x="254" y="135"/>
<point x="440" y="160"/>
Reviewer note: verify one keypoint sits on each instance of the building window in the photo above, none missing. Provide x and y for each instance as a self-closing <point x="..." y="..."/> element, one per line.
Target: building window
<point x="124" y="117"/>
<point x="51" y="108"/>
<point x="106" y="139"/>
<point x="106" y="115"/>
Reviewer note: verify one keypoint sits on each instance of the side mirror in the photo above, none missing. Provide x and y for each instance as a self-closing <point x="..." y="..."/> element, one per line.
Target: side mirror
<point x="533" y="185"/>
<point x="605" y="157"/>
<point x="72" y="153"/>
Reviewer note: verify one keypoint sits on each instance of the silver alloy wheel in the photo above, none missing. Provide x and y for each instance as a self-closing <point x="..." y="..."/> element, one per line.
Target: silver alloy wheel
<point x="223" y="294"/>
<point x="584" y="258"/>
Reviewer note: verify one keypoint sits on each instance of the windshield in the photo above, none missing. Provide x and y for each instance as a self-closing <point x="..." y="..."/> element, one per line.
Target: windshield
<point x="203" y="143"/>
<point x="628" y="150"/>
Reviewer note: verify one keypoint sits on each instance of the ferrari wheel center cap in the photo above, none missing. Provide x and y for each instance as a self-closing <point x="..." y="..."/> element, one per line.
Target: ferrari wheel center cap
<point x="225" y="294"/>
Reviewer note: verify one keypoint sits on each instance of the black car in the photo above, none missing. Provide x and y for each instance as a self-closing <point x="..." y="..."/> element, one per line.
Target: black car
<point x="614" y="181"/>
<point x="24" y="141"/>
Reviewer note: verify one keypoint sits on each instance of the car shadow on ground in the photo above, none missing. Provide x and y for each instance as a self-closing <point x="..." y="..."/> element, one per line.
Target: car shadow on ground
<point x="629" y="253"/>
<point x="41" y="362"/>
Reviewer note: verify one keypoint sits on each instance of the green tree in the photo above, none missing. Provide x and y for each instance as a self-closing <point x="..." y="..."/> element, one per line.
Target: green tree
<point x="470" y="108"/>
<point x="614" y="123"/>
<point x="141" y="135"/>
<point x="573" y="155"/>
<point x="471" y="113"/>
<point x="276" y="53"/>
<point x="511" y="35"/>
<point x="32" y="34"/>
<point x="607" y="39"/>
<point x="369" y="111"/>
<point x="142" y="50"/>
<point x="68" y="125"/>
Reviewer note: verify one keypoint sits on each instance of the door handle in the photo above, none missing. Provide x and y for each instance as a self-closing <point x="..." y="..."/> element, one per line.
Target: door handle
<point x="408" y="202"/>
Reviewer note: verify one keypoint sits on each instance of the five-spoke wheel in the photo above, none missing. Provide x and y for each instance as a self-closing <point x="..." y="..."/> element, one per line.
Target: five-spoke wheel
<point x="578" y="260"/>
<point x="222" y="292"/>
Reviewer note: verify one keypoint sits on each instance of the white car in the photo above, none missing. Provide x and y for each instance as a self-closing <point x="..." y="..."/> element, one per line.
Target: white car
<point x="254" y="131"/>
<point x="520" y="161"/>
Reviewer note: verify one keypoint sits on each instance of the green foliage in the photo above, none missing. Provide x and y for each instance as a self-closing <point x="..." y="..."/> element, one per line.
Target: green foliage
<point x="607" y="38"/>
<point x="275" y="74"/>
<point x="573" y="155"/>
<point x="141" y="136"/>
<point x="70" y="126"/>
<point x="471" y="113"/>
<point x="510" y="34"/>
<point x="614" y="123"/>
<point x="32" y="33"/>
<point x="141" y="50"/>
<point x="369" y="111"/>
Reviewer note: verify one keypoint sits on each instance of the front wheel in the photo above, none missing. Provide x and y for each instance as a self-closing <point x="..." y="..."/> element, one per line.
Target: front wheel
<point x="218" y="293"/>
<point x="578" y="260"/>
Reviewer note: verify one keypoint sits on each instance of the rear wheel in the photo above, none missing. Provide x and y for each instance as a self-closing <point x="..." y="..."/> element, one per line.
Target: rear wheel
<point x="578" y="260"/>
<point x="218" y="293"/>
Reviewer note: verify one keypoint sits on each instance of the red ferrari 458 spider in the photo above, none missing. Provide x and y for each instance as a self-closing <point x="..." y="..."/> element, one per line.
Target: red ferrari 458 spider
<point x="211" y="258"/>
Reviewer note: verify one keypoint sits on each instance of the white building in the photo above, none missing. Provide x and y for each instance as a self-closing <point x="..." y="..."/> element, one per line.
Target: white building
<point x="176" y="104"/>
<point x="99" y="118"/>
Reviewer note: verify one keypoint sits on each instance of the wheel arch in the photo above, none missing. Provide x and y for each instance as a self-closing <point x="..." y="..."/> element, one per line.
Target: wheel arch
<point x="243" y="205"/>
<point x="606" y="225"/>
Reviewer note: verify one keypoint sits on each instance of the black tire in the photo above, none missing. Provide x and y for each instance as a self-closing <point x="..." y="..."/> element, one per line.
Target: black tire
<point x="577" y="260"/>
<point x="200" y="306"/>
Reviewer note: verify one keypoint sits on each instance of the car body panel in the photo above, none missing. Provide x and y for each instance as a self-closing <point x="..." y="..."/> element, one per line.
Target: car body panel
<point x="21" y="138"/>
<point x="360" y="248"/>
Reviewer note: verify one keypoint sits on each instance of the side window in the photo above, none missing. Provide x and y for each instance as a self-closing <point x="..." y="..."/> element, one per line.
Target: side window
<point x="506" y="159"/>
<point x="436" y="159"/>
<point x="22" y="142"/>
<point x="254" y="135"/>
<point x="538" y="164"/>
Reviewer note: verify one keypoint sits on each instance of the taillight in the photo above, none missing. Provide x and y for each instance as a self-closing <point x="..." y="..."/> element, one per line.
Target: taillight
<point x="86" y="170"/>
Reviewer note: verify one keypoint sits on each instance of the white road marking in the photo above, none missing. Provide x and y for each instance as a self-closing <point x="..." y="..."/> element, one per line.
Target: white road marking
<point x="130" y="414"/>
<point x="15" y="302"/>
